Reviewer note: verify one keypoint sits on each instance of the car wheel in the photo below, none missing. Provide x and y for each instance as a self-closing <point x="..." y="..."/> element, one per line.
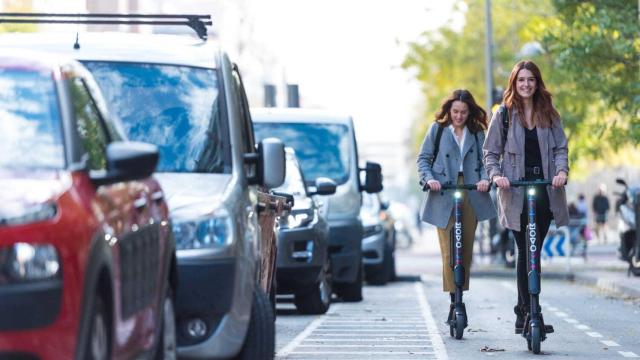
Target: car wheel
<point x="351" y="292"/>
<point x="316" y="300"/>
<point x="166" y="349"/>
<point x="260" y="340"/>
<point x="99" y="339"/>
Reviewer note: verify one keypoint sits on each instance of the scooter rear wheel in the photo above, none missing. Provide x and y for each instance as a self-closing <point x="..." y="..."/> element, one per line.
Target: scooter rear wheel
<point x="536" y="338"/>
<point x="460" y="323"/>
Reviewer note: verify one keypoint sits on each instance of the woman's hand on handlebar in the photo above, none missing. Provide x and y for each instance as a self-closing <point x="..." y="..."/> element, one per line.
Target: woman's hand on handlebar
<point x="559" y="180"/>
<point x="433" y="185"/>
<point x="482" y="185"/>
<point x="501" y="182"/>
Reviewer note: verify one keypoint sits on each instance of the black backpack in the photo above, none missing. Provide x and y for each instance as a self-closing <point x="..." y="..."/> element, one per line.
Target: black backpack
<point x="505" y="123"/>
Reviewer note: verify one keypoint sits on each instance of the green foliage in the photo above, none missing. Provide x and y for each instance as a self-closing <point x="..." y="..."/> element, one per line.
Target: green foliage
<point x="589" y="61"/>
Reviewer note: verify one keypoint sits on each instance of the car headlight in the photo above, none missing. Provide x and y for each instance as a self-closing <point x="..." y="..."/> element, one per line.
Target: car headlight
<point x="298" y="219"/>
<point x="371" y="230"/>
<point x="28" y="214"/>
<point x="22" y="262"/>
<point x="213" y="231"/>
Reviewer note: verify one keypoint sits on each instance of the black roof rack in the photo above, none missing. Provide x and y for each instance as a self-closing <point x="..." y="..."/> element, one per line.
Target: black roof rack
<point x="197" y="22"/>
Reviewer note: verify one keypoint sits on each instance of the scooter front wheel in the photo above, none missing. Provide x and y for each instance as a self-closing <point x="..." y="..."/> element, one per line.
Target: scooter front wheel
<point x="460" y="323"/>
<point x="536" y="338"/>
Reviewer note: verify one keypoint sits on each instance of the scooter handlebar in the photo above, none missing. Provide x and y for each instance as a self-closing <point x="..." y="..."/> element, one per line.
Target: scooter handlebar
<point x="454" y="187"/>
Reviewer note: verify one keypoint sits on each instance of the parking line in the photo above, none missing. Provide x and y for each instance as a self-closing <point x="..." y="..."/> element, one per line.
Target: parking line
<point x="434" y="333"/>
<point x="287" y="349"/>
<point x="610" y="343"/>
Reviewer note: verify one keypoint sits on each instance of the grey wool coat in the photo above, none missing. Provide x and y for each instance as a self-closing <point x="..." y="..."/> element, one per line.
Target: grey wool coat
<point x="508" y="160"/>
<point x="437" y="207"/>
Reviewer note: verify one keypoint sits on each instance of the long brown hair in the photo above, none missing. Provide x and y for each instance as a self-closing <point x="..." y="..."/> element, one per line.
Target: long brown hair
<point x="544" y="114"/>
<point x="477" y="119"/>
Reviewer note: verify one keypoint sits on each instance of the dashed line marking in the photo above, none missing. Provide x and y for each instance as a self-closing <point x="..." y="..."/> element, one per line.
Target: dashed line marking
<point x="561" y="314"/>
<point x="552" y="308"/>
<point x="571" y="321"/>
<point x="582" y="327"/>
<point x="594" y="334"/>
<point x="610" y="343"/>
<point x="628" y="354"/>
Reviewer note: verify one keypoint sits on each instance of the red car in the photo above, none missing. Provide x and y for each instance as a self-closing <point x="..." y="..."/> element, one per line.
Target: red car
<point x="87" y="257"/>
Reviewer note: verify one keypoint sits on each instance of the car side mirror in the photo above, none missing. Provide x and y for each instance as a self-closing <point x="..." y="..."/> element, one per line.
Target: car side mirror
<point x="126" y="161"/>
<point x="272" y="162"/>
<point x="621" y="182"/>
<point x="324" y="186"/>
<point x="373" y="178"/>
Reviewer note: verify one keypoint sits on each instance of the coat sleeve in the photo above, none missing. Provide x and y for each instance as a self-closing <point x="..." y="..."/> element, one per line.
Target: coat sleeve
<point x="493" y="147"/>
<point x="561" y="151"/>
<point x="483" y="170"/>
<point x="425" y="157"/>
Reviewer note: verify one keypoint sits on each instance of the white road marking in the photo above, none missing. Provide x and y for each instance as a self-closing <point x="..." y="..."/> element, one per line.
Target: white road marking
<point x="395" y="340"/>
<point x="610" y="343"/>
<point x="287" y="349"/>
<point x="571" y="321"/>
<point x="561" y="314"/>
<point x="594" y="334"/>
<point x="582" y="327"/>
<point x="361" y="353"/>
<point x="362" y="345"/>
<point x="552" y="308"/>
<point x="628" y="354"/>
<point x="434" y="333"/>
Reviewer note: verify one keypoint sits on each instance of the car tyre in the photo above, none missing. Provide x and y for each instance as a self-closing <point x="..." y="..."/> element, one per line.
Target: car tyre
<point x="351" y="292"/>
<point x="259" y="342"/>
<point x="167" y="344"/>
<point x="316" y="300"/>
<point x="99" y="344"/>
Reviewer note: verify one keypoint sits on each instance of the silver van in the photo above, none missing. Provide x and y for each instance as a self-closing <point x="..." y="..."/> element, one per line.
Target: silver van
<point x="325" y="144"/>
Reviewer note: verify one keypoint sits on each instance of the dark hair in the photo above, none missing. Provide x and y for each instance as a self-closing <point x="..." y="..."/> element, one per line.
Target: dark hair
<point x="477" y="120"/>
<point x="544" y="114"/>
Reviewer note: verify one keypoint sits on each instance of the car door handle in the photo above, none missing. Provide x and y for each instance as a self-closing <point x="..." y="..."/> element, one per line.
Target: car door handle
<point x="140" y="203"/>
<point x="157" y="196"/>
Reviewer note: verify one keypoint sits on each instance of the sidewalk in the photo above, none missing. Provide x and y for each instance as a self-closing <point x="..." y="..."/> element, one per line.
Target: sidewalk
<point x="602" y="269"/>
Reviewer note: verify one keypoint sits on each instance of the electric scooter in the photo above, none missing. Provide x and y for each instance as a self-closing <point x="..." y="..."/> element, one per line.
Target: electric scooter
<point x="534" y="329"/>
<point x="457" y="318"/>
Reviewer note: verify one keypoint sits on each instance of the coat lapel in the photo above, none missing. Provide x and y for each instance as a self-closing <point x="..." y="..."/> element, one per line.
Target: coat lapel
<point x="469" y="142"/>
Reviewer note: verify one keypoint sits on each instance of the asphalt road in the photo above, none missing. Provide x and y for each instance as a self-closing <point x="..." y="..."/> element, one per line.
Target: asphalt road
<point x="405" y="320"/>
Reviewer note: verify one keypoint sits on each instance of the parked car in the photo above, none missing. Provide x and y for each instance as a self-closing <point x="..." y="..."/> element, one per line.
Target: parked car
<point x="303" y="265"/>
<point x="87" y="260"/>
<point x="325" y="144"/>
<point x="184" y="95"/>
<point x="379" y="240"/>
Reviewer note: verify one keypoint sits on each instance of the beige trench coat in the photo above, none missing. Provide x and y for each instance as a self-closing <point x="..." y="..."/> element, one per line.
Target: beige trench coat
<point x="508" y="160"/>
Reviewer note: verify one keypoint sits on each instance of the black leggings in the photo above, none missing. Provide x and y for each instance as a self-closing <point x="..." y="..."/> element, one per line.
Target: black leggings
<point x="543" y="220"/>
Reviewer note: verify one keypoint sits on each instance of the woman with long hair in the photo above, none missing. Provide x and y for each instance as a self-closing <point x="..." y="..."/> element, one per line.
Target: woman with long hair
<point x="532" y="147"/>
<point x="451" y="153"/>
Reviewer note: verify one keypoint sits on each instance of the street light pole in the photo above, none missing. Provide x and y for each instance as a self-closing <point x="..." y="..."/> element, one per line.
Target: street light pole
<point x="488" y="55"/>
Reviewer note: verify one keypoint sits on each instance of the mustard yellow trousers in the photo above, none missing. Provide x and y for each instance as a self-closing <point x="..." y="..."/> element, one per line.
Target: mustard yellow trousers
<point x="469" y="224"/>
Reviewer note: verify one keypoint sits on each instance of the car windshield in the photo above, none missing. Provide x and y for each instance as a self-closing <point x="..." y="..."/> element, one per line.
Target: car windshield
<point x="174" y="107"/>
<point x="322" y="149"/>
<point x="30" y="129"/>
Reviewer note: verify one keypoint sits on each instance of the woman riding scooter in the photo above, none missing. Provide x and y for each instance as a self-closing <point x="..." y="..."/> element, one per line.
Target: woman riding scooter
<point x="527" y="144"/>
<point x="451" y="154"/>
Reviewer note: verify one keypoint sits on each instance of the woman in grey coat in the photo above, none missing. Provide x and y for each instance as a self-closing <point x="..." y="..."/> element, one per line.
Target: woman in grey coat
<point x="457" y="159"/>
<point x="535" y="147"/>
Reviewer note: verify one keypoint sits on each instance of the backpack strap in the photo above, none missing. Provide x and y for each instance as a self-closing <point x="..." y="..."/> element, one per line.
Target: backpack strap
<point x="505" y="123"/>
<point x="475" y="135"/>
<point x="436" y="145"/>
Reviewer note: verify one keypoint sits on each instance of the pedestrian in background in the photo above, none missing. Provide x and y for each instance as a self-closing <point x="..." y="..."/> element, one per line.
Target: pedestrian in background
<point x="534" y="148"/>
<point x="454" y="156"/>
<point x="601" y="206"/>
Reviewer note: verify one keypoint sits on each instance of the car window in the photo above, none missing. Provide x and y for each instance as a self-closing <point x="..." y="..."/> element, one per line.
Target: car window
<point x="322" y="149"/>
<point x="90" y="129"/>
<point x="174" y="107"/>
<point x="30" y="123"/>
